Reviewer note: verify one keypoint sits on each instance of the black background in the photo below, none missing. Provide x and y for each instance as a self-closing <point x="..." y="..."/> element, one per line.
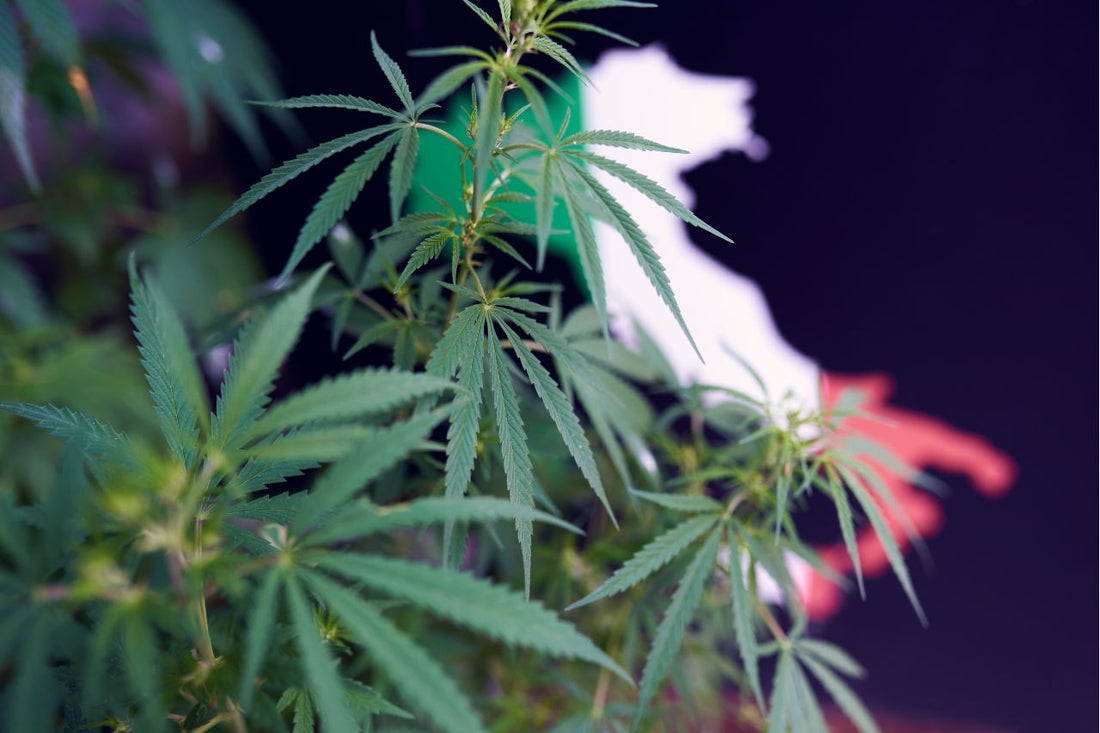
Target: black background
<point x="929" y="210"/>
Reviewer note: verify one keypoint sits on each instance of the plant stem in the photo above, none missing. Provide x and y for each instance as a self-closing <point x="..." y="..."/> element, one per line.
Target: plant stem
<point x="599" y="699"/>
<point x="206" y="646"/>
<point x="373" y="304"/>
<point x="771" y="623"/>
<point x="442" y="133"/>
<point x="737" y="499"/>
<point x="532" y="345"/>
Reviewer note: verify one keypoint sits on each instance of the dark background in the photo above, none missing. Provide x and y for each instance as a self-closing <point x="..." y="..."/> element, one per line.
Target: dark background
<point x="929" y="210"/>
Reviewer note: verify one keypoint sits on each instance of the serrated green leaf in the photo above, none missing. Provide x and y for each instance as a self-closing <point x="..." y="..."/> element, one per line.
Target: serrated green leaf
<point x="514" y="451"/>
<point x="350" y="395"/>
<point x="807" y="710"/>
<point x="313" y="444"/>
<point x="589" y="249"/>
<point x="477" y="604"/>
<point x="262" y="608"/>
<point x="332" y="101"/>
<point x="505" y="10"/>
<point x="319" y="666"/>
<point x="384" y="448"/>
<point x="13" y="102"/>
<point x="544" y="208"/>
<point x="462" y="348"/>
<point x="364" y="520"/>
<point x="651" y="558"/>
<point x="560" y="54"/>
<point x="573" y="364"/>
<point x="418" y="224"/>
<point x="853" y="446"/>
<point x="842" y="695"/>
<point x="590" y="28"/>
<point x="561" y="412"/>
<point x="304" y="715"/>
<point x="670" y="632"/>
<point x="831" y="655"/>
<point x="643" y="251"/>
<point x="336" y="200"/>
<point x="523" y="304"/>
<point x="402" y="168"/>
<point x="784" y="698"/>
<point x="257" y="355"/>
<point x="444" y="85"/>
<point x="575" y="6"/>
<point x="451" y="51"/>
<point x="782" y="489"/>
<point x="279" y="509"/>
<point x="618" y="358"/>
<point x="648" y="187"/>
<point x="177" y="389"/>
<point x="882" y="491"/>
<point x="488" y="129"/>
<point x="90" y="435"/>
<point x="768" y="555"/>
<point x="425" y="252"/>
<point x="372" y="335"/>
<point x="882" y="530"/>
<point x="847" y="529"/>
<point x="369" y="702"/>
<point x="256" y="475"/>
<point x="506" y="248"/>
<point x="294" y="168"/>
<point x="251" y="542"/>
<point x="680" y="502"/>
<point x="531" y="93"/>
<point x="616" y="139"/>
<point x="485" y="17"/>
<point x="393" y="74"/>
<point x="52" y="25"/>
<point x="419" y="678"/>
<point x="741" y="602"/>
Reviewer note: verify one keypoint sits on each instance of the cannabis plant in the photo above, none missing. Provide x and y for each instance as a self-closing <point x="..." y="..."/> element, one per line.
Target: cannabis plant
<point x="368" y="552"/>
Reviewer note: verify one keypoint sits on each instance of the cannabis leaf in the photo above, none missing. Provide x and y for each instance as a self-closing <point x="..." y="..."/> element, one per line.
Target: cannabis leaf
<point x="670" y="633"/>
<point x="175" y="385"/>
<point x="337" y="199"/>
<point x="257" y="354"/>
<point x="513" y="449"/>
<point x="651" y="558"/>
<point x="13" y="113"/>
<point x="214" y="53"/>
<point x="741" y="601"/>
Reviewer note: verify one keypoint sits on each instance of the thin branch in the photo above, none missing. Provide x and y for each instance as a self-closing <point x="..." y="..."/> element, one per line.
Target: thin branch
<point x="442" y="133"/>
<point x="373" y="304"/>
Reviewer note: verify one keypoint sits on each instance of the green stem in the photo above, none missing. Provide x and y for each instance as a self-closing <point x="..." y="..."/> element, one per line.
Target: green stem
<point x="373" y="304"/>
<point x="769" y="621"/>
<point x="444" y="134"/>
<point x="737" y="499"/>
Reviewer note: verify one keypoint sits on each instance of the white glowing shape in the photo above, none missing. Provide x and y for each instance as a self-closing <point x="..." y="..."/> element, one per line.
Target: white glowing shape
<point x="767" y="588"/>
<point x="210" y="50"/>
<point x="341" y="233"/>
<point x="645" y="92"/>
